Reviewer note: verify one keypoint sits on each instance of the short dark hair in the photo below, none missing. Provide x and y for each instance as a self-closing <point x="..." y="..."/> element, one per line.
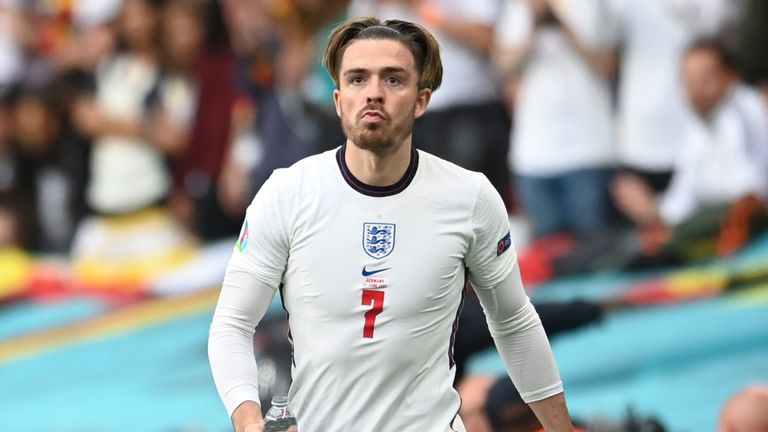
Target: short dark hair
<point x="421" y="43"/>
<point x="719" y="49"/>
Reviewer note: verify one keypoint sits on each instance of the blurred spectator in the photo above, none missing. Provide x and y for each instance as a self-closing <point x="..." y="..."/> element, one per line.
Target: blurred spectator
<point x="199" y="58"/>
<point x="715" y="202"/>
<point x="128" y="167"/>
<point x="561" y="147"/>
<point x="725" y="152"/>
<point x="506" y="412"/>
<point x="747" y="411"/>
<point x="466" y="122"/>
<point x="136" y="120"/>
<point x="51" y="36"/>
<point x="651" y="99"/>
<point x="653" y="36"/>
<point x="51" y="166"/>
<point x="473" y="392"/>
<point x="277" y="42"/>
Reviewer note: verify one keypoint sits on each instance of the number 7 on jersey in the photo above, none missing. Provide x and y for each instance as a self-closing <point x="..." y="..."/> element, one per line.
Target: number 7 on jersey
<point x="375" y="299"/>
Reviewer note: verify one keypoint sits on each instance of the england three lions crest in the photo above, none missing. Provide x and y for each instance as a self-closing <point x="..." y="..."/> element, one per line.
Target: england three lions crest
<point x="378" y="239"/>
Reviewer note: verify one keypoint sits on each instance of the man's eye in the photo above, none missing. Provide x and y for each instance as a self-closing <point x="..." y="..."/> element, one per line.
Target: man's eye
<point x="356" y="80"/>
<point x="393" y="81"/>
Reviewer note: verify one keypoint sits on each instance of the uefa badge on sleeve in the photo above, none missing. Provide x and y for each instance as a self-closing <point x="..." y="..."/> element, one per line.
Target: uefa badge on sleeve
<point x="504" y="244"/>
<point x="378" y="239"/>
<point x="242" y="241"/>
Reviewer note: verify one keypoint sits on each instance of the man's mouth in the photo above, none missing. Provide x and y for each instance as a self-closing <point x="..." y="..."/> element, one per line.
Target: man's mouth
<point x="373" y="115"/>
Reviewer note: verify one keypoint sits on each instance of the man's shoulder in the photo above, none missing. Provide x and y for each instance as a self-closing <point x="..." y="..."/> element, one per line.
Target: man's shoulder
<point x="749" y="102"/>
<point x="448" y="171"/>
<point x="454" y="185"/>
<point x="309" y="166"/>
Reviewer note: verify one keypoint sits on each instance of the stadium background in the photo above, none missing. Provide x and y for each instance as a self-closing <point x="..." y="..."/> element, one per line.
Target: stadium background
<point x="116" y="340"/>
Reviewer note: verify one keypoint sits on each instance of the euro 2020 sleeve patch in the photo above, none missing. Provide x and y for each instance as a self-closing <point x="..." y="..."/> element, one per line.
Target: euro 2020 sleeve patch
<point x="242" y="242"/>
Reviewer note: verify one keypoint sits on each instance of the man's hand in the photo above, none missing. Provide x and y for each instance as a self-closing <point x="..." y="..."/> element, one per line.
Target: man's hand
<point x="247" y="417"/>
<point x="635" y="199"/>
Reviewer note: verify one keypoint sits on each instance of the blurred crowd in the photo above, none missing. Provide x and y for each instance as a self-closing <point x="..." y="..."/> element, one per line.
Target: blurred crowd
<point x="586" y="115"/>
<point x="622" y="111"/>
<point x="165" y="115"/>
<point x="622" y="132"/>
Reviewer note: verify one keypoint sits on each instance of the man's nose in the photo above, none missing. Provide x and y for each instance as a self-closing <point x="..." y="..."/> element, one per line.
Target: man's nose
<point x="375" y="92"/>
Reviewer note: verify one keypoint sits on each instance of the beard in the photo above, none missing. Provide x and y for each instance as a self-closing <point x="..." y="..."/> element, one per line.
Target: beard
<point x="376" y="136"/>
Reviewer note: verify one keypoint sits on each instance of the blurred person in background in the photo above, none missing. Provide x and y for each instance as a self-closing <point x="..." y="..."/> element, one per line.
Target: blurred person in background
<point x="52" y="166"/>
<point x="133" y="122"/>
<point x="467" y="122"/>
<point x="505" y="411"/>
<point x="200" y="68"/>
<point x="473" y="392"/>
<point x="14" y="214"/>
<point x="747" y="411"/>
<point x="653" y="36"/>
<point x="563" y="53"/>
<point x="719" y="178"/>
<point x="277" y="46"/>
<point x="128" y="165"/>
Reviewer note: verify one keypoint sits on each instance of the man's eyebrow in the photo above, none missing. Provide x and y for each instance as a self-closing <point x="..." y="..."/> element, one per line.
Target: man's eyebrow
<point x="388" y="69"/>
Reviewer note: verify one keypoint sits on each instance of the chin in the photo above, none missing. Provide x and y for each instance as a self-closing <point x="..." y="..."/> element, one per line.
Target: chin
<point x="373" y="144"/>
<point x="371" y="139"/>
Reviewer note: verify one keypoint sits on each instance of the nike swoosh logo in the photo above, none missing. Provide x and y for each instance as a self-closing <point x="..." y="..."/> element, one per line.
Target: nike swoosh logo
<point x="373" y="272"/>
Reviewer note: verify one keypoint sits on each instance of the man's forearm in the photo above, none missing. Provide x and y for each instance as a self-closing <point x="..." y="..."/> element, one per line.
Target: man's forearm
<point x="520" y="339"/>
<point x="242" y="303"/>
<point x="478" y="36"/>
<point x="602" y="62"/>
<point x="509" y="60"/>
<point x="553" y="413"/>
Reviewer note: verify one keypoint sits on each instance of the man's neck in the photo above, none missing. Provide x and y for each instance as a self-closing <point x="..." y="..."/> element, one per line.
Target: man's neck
<point x="378" y="168"/>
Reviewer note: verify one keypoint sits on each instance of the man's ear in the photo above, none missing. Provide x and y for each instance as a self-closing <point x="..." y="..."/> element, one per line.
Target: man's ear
<point x="336" y="97"/>
<point x="422" y="100"/>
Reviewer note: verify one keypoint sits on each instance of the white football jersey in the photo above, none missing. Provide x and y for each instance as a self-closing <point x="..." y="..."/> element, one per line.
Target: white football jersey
<point x="373" y="281"/>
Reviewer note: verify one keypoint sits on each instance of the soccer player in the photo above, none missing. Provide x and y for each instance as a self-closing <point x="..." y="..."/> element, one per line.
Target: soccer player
<point x="371" y="245"/>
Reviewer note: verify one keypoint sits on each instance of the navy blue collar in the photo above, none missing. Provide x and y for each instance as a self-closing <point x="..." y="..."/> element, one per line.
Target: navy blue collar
<point x="377" y="191"/>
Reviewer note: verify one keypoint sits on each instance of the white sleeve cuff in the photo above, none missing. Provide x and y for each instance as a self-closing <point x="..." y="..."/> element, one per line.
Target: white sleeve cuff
<point x="537" y="395"/>
<point x="235" y="397"/>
